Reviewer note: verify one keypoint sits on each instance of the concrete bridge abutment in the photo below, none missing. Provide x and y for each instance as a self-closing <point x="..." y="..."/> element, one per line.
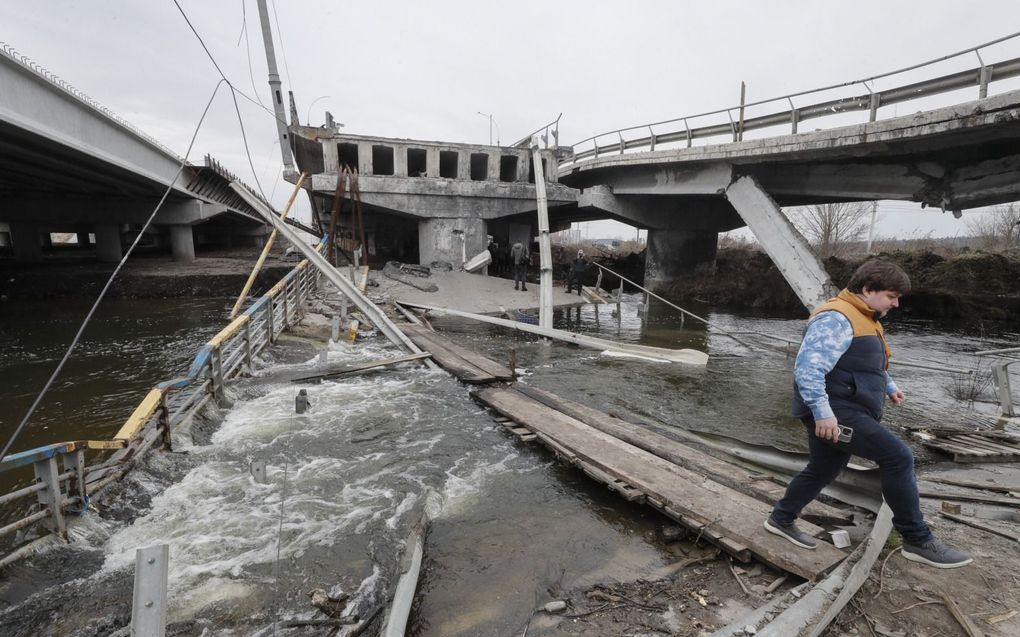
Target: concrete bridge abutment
<point x="108" y="248"/>
<point x="451" y="239"/>
<point x="673" y="254"/>
<point x="25" y="241"/>
<point x="182" y="243"/>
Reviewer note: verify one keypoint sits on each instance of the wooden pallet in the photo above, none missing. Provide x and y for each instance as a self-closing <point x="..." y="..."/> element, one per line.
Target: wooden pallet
<point x="724" y="516"/>
<point x="974" y="446"/>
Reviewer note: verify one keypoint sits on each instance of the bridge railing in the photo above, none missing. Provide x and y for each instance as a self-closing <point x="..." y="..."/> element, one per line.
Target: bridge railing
<point x="64" y="482"/>
<point x="730" y="124"/>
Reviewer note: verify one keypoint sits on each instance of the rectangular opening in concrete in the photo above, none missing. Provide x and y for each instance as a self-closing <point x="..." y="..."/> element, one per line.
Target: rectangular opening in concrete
<point x="417" y="162"/>
<point x="531" y="170"/>
<point x="382" y="160"/>
<point x="448" y="164"/>
<point x="347" y="155"/>
<point x="479" y="166"/>
<point x="508" y="168"/>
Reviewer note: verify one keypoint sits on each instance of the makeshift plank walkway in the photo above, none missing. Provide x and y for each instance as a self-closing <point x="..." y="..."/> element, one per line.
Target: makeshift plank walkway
<point x="719" y="513"/>
<point x="974" y="446"/>
<point x="466" y="365"/>
<point x="758" y="486"/>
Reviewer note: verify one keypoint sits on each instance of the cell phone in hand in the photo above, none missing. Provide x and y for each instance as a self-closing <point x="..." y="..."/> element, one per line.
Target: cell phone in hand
<point x="845" y="433"/>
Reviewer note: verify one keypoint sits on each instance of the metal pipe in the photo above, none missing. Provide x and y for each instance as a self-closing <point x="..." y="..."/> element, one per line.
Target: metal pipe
<point x="673" y="305"/>
<point x="22" y="523"/>
<point x="20" y="493"/>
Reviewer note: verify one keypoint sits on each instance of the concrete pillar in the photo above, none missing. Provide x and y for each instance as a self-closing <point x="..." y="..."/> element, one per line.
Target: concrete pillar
<point x="182" y="243"/>
<point x="83" y="237"/>
<point x="440" y="239"/>
<point x="671" y="254"/>
<point x="108" y="242"/>
<point x="25" y="241"/>
<point x="45" y="239"/>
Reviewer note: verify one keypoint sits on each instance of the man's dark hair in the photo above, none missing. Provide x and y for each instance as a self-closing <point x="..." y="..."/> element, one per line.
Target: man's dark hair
<point x="877" y="276"/>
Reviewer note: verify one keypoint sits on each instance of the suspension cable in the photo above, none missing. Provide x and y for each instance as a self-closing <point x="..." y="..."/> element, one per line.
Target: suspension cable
<point x="109" y="281"/>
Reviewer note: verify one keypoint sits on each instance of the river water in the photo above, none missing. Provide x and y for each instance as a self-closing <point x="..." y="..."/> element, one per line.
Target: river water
<point x="511" y="526"/>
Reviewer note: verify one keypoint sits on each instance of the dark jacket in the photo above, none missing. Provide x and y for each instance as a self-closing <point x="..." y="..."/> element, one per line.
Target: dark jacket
<point x="858" y="381"/>
<point x="578" y="265"/>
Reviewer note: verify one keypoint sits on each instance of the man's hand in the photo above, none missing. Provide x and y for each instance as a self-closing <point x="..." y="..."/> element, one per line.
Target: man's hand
<point x="897" y="397"/>
<point x="827" y="429"/>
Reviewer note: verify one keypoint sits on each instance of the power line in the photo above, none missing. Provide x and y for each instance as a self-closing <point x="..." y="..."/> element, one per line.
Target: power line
<point x="109" y="281"/>
<point x="233" y="95"/>
<point x="247" y="50"/>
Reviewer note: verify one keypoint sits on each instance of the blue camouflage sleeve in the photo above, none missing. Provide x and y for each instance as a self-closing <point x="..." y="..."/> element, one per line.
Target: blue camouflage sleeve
<point x="827" y="337"/>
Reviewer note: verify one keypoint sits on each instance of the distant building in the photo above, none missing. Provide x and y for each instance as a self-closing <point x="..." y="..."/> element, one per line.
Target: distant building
<point x="610" y="245"/>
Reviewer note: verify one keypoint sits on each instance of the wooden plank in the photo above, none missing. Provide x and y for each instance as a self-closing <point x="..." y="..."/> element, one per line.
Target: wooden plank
<point x="140" y="415"/>
<point x="731" y="475"/>
<point x="973" y="484"/>
<point x="451" y="362"/>
<point x="732" y="513"/>
<point x="487" y="365"/>
<point x="970" y="497"/>
<point x="969" y="521"/>
<point x="351" y="369"/>
<point x="966" y="623"/>
<point x="991" y="445"/>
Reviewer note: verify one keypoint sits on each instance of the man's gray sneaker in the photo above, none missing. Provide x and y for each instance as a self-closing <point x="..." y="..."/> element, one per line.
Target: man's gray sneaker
<point x="937" y="554"/>
<point x="791" y="533"/>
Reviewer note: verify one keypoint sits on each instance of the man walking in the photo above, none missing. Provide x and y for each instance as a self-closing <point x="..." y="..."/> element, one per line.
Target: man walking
<point x="520" y="257"/>
<point x="840" y="386"/>
<point x="577" y="267"/>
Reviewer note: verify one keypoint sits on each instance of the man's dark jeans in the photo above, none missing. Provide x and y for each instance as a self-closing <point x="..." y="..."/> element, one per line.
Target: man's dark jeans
<point x="520" y="274"/>
<point x="872" y="441"/>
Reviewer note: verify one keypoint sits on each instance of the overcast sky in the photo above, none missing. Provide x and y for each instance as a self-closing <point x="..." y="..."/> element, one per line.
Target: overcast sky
<point x="424" y="70"/>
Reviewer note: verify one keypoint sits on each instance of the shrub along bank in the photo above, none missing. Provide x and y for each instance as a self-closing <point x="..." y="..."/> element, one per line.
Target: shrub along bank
<point x="969" y="286"/>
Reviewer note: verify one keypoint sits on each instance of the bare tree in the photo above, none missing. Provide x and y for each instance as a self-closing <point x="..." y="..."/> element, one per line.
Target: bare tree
<point x="829" y="227"/>
<point x="998" y="229"/>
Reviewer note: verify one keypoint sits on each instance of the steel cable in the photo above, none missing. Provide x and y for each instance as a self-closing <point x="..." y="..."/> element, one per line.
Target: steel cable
<point x="109" y="281"/>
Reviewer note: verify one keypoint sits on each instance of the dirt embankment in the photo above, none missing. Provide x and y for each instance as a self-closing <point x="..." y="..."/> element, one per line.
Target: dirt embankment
<point x="976" y="286"/>
<point x="158" y="277"/>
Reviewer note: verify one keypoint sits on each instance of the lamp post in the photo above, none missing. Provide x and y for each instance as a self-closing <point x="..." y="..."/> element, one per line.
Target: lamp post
<point x="491" y="123"/>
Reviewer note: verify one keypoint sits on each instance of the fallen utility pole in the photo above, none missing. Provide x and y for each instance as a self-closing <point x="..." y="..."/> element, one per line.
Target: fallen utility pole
<point x="657" y="354"/>
<point x="544" y="243"/>
<point x="367" y="307"/>
<point x="265" y="251"/>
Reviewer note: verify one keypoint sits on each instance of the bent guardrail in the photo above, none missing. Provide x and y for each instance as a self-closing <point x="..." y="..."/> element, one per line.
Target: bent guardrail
<point x="670" y="131"/>
<point x="64" y="483"/>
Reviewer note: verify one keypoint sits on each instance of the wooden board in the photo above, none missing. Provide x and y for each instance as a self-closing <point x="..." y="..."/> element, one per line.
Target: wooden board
<point x="487" y="365"/>
<point x="731" y="475"/>
<point x="968" y="448"/>
<point x="709" y="504"/>
<point x="463" y="370"/>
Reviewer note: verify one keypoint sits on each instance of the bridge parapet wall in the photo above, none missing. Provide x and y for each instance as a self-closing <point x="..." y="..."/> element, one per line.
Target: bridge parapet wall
<point x="417" y="159"/>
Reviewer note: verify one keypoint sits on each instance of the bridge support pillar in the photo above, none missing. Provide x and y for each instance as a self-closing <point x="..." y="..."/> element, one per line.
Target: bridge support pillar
<point x="182" y="243"/>
<point x="781" y="241"/>
<point x="108" y="247"/>
<point x="83" y="238"/>
<point x="25" y="241"/>
<point x="450" y="239"/>
<point x="673" y="253"/>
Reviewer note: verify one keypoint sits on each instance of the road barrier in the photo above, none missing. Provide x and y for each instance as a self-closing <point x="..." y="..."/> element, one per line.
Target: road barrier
<point x="63" y="481"/>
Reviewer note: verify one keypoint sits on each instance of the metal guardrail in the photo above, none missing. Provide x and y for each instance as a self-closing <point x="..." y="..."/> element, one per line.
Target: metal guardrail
<point x="64" y="482"/>
<point x="1000" y="375"/>
<point x="735" y="127"/>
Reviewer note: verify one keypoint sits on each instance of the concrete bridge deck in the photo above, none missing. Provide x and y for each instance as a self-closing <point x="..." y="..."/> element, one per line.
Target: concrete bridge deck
<point x="69" y="165"/>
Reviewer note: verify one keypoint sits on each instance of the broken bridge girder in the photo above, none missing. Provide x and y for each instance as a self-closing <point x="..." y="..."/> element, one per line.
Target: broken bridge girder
<point x="782" y="242"/>
<point x="363" y="303"/>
